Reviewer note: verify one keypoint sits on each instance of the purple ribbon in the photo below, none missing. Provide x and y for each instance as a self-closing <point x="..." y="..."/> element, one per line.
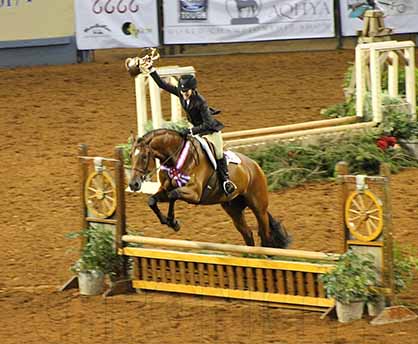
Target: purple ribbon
<point x="175" y="173"/>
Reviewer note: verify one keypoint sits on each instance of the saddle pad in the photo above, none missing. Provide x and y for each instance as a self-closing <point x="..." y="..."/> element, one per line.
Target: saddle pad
<point x="230" y="156"/>
<point x="207" y="150"/>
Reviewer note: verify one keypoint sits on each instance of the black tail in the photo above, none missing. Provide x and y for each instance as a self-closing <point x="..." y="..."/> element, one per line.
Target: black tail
<point x="280" y="238"/>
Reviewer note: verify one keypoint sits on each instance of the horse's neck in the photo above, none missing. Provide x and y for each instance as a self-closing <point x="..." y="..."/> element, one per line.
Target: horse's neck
<point x="167" y="147"/>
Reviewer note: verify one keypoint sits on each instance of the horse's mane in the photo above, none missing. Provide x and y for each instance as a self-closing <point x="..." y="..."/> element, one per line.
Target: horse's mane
<point x="146" y="138"/>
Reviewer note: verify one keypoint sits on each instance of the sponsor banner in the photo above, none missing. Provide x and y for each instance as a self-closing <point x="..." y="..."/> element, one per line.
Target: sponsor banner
<point x="102" y="24"/>
<point x="36" y="19"/>
<point x="221" y="21"/>
<point x="400" y="15"/>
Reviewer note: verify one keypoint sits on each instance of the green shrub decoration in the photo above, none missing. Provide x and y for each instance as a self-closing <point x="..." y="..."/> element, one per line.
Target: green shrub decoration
<point x="98" y="252"/>
<point x="287" y="165"/>
<point x="351" y="279"/>
<point x="405" y="266"/>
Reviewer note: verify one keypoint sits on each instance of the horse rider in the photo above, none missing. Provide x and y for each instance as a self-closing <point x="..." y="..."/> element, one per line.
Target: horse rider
<point x="200" y="115"/>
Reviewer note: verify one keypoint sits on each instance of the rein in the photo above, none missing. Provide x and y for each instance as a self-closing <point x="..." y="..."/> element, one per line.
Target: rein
<point x="149" y="174"/>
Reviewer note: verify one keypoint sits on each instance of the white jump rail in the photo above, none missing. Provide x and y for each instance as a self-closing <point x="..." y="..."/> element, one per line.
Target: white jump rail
<point x="207" y="246"/>
<point x="299" y="134"/>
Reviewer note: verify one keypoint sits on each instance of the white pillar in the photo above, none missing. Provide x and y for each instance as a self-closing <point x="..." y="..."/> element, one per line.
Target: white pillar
<point x="393" y="75"/>
<point x="141" y="103"/>
<point x="155" y="99"/>
<point x="360" y="81"/>
<point x="410" y="81"/>
<point x="175" y="104"/>
<point x="376" y="89"/>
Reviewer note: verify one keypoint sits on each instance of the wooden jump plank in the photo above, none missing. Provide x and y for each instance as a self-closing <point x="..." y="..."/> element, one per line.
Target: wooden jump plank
<point x="231" y="277"/>
<point x="226" y="260"/>
<point x="163" y="270"/>
<point x="300" y="283"/>
<point x="270" y="280"/>
<point x="310" y="283"/>
<point x="191" y="271"/>
<point x="172" y="268"/>
<point x="250" y="278"/>
<point x="260" y="279"/>
<point x="290" y="283"/>
<point x="182" y="269"/>
<point x="211" y="275"/>
<point x="221" y="277"/>
<point x="281" y="288"/>
<point x="239" y="272"/>
<point x="237" y="294"/>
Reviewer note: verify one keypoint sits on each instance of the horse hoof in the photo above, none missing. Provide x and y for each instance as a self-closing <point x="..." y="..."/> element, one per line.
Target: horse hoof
<point x="175" y="225"/>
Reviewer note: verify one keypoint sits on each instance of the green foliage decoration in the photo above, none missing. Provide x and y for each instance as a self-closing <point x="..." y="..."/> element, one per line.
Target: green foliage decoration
<point x="287" y="165"/>
<point x="98" y="252"/>
<point x="396" y="120"/>
<point x="405" y="266"/>
<point x="351" y="279"/>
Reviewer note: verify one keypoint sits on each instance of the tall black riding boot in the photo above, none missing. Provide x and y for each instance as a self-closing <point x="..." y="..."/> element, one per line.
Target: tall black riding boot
<point x="227" y="185"/>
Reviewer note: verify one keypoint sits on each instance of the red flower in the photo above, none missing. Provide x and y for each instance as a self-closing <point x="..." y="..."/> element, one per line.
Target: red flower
<point x="386" y="141"/>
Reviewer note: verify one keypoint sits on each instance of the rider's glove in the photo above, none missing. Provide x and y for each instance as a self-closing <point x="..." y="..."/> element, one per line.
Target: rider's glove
<point x="185" y="132"/>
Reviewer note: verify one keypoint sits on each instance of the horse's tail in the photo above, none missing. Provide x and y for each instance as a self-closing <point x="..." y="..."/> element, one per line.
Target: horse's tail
<point x="280" y="237"/>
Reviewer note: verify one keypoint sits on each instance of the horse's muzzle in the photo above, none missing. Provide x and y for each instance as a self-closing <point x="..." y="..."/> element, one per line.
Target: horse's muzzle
<point x="135" y="184"/>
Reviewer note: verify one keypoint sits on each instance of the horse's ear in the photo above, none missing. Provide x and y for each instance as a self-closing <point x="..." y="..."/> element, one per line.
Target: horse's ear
<point x="132" y="137"/>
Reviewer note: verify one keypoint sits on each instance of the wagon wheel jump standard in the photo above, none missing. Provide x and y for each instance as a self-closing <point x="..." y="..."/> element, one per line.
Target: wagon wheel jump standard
<point x="100" y="194"/>
<point x="364" y="215"/>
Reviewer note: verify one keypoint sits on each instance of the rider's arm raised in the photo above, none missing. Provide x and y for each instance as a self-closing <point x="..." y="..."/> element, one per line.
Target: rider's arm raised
<point x="164" y="85"/>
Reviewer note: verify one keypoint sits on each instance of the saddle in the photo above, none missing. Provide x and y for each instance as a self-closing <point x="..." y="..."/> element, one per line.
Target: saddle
<point x="213" y="187"/>
<point x="209" y="149"/>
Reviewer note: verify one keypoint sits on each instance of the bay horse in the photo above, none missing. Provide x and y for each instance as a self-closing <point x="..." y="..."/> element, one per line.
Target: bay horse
<point x="187" y="174"/>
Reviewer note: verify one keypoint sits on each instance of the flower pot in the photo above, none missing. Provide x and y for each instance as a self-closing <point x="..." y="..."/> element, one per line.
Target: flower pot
<point x="376" y="306"/>
<point x="411" y="146"/>
<point x="349" y="312"/>
<point x="91" y="282"/>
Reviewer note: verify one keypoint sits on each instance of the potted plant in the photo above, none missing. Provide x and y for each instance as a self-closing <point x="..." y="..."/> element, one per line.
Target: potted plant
<point x="98" y="258"/>
<point x="349" y="284"/>
<point x="397" y="122"/>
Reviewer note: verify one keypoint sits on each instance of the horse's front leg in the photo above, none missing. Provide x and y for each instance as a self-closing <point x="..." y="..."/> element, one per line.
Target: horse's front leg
<point x="160" y="196"/>
<point x="168" y="220"/>
<point x="171" y="220"/>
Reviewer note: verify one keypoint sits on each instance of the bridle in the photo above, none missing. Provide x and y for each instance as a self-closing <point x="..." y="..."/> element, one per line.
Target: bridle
<point x="145" y="173"/>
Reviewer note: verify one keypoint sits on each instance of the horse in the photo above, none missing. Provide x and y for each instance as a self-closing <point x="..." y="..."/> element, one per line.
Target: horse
<point x="187" y="174"/>
<point x="249" y="5"/>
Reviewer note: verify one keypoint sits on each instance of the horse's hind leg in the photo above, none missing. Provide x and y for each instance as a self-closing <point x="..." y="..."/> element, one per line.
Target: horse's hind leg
<point x="235" y="209"/>
<point x="271" y="232"/>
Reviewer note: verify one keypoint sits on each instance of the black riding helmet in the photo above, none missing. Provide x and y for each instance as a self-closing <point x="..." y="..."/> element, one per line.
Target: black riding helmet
<point x="187" y="82"/>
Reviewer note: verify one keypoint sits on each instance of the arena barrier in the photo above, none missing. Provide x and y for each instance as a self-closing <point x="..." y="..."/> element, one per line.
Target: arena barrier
<point x="289" y="278"/>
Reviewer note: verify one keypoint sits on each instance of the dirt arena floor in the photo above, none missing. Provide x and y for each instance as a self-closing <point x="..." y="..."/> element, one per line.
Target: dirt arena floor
<point x="45" y="112"/>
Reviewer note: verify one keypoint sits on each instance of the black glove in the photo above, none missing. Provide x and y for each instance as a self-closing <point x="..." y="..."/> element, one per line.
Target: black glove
<point x="185" y="131"/>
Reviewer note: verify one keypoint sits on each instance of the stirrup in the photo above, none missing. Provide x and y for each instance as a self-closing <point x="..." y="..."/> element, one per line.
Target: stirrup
<point x="228" y="187"/>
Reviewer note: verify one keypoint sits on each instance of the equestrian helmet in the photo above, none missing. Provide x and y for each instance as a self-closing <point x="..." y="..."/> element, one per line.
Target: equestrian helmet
<point x="187" y="82"/>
